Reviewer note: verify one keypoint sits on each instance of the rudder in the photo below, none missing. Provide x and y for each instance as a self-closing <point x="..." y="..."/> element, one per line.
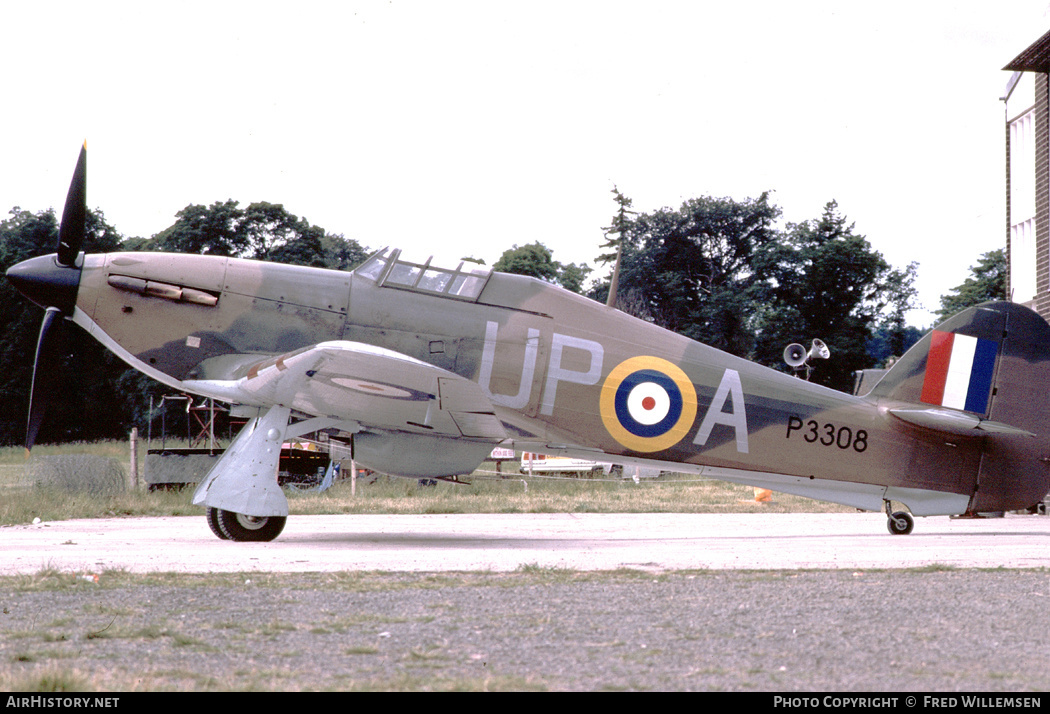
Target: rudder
<point x="990" y="363"/>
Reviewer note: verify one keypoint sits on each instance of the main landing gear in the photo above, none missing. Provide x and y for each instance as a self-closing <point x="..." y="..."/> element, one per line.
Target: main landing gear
<point x="239" y="527"/>
<point x="898" y="522"/>
<point x="244" y="481"/>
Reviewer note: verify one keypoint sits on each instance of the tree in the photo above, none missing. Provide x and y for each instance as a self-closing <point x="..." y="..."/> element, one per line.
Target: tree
<point x="212" y="230"/>
<point x="341" y="253"/>
<point x="92" y="380"/>
<point x="987" y="281"/>
<point x="572" y="276"/>
<point x="888" y="345"/>
<point x="23" y="235"/>
<point x="274" y="234"/>
<point x="87" y="376"/>
<point x="620" y="226"/>
<point x="719" y="272"/>
<point x="691" y="270"/>
<point x="827" y="283"/>
<point x="262" y="231"/>
<point x="895" y="336"/>
<point x="536" y="260"/>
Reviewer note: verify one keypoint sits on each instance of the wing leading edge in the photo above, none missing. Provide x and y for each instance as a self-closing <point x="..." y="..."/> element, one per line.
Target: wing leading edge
<point x="372" y="387"/>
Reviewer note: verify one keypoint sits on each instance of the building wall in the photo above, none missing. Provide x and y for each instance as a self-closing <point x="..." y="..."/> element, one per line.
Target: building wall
<point x="1028" y="192"/>
<point x="1042" y="195"/>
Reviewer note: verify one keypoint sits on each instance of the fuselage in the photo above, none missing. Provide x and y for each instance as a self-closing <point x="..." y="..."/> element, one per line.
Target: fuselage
<point x="566" y="374"/>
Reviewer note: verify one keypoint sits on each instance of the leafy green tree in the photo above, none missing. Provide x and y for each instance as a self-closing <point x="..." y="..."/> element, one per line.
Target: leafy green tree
<point x="887" y="344"/>
<point x="136" y="243"/>
<point x="536" y="260"/>
<point x="615" y="235"/>
<point x="341" y="253"/>
<point x="262" y="231"/>
<point x="692" y="270"/>
<point x="23" y="235"/>
<point x="92" y="380"/>
<point x="87" y="376"/>
<point x="618" y="228"/>
<point x="987" y="281"/>
<point x="212" y="230"/>
<point x="900" y="296"/>
<point x="572" y="276"/>
<point x="828" y="283"/>
<point x="274" y="234"/>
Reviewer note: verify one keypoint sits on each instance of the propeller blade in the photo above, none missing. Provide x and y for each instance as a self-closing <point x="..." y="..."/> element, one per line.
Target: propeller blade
<point x="45" y="368"/>
<point x="73" y="228"/>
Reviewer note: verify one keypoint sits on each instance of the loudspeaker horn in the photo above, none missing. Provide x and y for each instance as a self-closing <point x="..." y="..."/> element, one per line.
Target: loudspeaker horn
<point x="795" y="355"/>
<point x="819" y="350"/>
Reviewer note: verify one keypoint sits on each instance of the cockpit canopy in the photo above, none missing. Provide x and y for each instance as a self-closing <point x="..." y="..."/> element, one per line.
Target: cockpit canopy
<point x="387" y="269"/>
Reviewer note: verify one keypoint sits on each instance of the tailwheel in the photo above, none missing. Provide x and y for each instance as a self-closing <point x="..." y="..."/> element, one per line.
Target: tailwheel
<point x="241" y="527"/>
<point x="900" y="523"/>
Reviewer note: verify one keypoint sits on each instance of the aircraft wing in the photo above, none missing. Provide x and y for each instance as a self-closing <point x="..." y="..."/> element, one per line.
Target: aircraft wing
<point x="371" y="386"/>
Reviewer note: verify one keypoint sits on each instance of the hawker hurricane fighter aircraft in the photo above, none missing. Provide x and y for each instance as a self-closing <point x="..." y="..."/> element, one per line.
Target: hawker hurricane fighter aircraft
<point x="426" y="368"/>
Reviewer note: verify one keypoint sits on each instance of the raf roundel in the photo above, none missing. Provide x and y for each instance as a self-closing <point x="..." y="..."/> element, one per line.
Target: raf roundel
<point x="647" y="404"/>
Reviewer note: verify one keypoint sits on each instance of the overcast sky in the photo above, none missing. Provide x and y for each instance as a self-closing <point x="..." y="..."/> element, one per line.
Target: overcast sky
<point x="463" y="128"/>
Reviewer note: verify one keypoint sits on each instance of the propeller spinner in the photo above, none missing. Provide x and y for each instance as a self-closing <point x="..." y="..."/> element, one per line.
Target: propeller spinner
<point x="51" y="281"/>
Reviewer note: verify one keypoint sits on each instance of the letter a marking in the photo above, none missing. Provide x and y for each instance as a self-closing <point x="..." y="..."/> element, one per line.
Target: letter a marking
<point x="728" y="388"/>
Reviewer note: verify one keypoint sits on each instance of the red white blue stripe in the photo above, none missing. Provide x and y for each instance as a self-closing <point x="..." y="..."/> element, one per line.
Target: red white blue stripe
<point x="959" y="371"/>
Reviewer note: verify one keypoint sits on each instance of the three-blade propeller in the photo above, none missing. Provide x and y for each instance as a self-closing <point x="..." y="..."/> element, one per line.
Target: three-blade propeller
<point x="51" y="281"/>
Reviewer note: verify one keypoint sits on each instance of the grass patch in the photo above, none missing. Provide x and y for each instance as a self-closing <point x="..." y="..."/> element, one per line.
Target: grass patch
<point x="935" y="568"/>
<point x="47" y="679"/>
<point x="55" y="485"/>
<point x="365" y="581"/>
<point x="361" y="650"/>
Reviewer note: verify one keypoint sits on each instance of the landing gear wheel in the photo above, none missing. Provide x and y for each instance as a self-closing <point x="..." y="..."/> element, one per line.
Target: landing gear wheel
<point x="239" y="527"/>
<point x="213" y="523"/>
<point x="900" y="523"/>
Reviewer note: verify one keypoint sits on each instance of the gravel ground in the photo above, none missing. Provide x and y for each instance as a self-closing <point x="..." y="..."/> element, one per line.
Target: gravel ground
<point x="882" y="631"/>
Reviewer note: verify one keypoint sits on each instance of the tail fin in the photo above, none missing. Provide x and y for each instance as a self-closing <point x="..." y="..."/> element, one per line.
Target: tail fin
<point x="983" y="373"/>
<point x="962" y="362"/>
